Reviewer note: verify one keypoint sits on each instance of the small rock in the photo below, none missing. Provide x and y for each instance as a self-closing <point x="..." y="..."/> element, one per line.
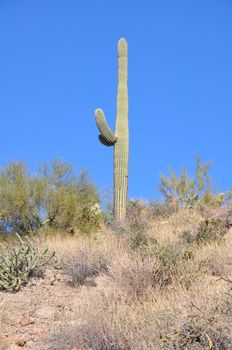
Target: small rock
<point x="44" y="312"/>
<point x="36" y="331"/>
<point x="26" y="320"/>
<point x="30" y="343"/>
<point x="32" y="283"/>
<point x="21" y="342"/>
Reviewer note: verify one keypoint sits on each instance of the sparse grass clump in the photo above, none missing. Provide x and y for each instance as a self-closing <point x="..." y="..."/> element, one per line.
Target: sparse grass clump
<point x="137" y="276"/>
<point x="83" y="258"/>
<point x="86" y="265"/>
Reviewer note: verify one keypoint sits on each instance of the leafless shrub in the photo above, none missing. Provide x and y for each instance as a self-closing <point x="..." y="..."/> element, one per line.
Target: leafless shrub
<point x="136" y="276"/>
<point x="163" y="209"/>
<point x="87" y="264"/>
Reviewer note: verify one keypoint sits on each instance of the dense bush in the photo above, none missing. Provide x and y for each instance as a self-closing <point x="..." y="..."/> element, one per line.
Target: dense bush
<point x="69" y="202"/>
<point x="21" y="200"/>
<point x="54" y="198"/>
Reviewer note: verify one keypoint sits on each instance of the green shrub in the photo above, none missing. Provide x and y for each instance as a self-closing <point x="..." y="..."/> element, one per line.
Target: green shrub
<point x="185" y="191"/>
<point x="70" y="202"/>
<point x="21" y="199"/>
<point x="210" y="230"/>
<point x="18" y="264"/>
<point x="54" y="198"/>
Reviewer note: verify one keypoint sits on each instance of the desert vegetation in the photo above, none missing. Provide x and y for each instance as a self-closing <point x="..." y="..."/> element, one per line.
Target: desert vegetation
<point x="70" y="278"/>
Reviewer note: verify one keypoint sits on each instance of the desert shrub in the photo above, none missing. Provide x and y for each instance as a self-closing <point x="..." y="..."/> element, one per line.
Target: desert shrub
<point x="21" y="262"/>
<point x="143" y="327"/>
<point x="87" y="264"/>
<point x="188" y="237"/>
<point x="167" y="256"/>
<point x="207" y="327"/>
<point x="184" y="191"/>
<point x="224" y="213"/>
<point x="138" y="212"/>
<point x="137" y="220"/>
<point x="210" y="230"/>
<point x="163" y="209"/>
<point x="177" y="262"/>
<point x="197" y="337"/>
<point x="213" y="229"/>
<point x="138" y="275"/>
<point x="196" y="319"/>
<point x="139" y="240"/>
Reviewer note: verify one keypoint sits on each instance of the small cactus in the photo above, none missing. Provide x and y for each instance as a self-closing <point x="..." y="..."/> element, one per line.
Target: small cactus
<point x="18" y="264"/>
<point x="119" y="139"/>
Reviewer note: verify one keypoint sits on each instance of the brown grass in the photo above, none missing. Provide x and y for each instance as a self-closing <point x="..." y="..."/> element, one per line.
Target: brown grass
<point x="162" y="293"/>
<point x="176" y="319"/>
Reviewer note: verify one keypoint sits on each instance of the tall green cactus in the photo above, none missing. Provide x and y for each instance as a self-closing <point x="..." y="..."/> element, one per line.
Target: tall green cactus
<point x="120" y="140"/>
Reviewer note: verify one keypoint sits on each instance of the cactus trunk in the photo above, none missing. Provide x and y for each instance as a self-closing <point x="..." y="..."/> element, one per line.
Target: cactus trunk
<point x="121" y="147"/>
<point x="120" y="140"/>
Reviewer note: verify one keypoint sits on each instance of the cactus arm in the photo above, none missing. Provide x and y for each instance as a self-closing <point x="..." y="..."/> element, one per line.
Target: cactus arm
<point x="106" y="136"/>
<point x="104" y="141"/>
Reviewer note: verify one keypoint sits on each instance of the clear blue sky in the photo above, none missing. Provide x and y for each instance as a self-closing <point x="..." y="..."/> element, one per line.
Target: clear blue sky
<point x="58" y="63"/>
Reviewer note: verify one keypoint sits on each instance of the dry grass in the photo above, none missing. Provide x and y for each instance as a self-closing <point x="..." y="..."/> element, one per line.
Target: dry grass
<point x="162" y="293"/>
<point x="176" y="319"/>
<point x="169" y="230"/>
<point x="137" y="276"/>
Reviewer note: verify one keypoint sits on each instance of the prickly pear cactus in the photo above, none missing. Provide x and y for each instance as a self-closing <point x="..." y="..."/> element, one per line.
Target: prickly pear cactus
<point x="119" y="139"/>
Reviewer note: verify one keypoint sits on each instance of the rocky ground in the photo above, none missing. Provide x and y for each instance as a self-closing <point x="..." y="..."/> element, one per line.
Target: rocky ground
<point x="28" y="316"/>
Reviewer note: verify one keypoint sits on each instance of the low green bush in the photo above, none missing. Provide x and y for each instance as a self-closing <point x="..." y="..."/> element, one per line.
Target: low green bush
<point x="211" y="229"/>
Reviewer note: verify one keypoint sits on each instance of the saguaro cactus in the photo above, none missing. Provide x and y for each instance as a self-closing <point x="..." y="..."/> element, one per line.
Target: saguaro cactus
<point x="119" y="139"/>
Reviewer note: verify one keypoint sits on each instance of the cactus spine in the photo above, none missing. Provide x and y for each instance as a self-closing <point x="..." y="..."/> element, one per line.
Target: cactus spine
<point x="120" y="140"/>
